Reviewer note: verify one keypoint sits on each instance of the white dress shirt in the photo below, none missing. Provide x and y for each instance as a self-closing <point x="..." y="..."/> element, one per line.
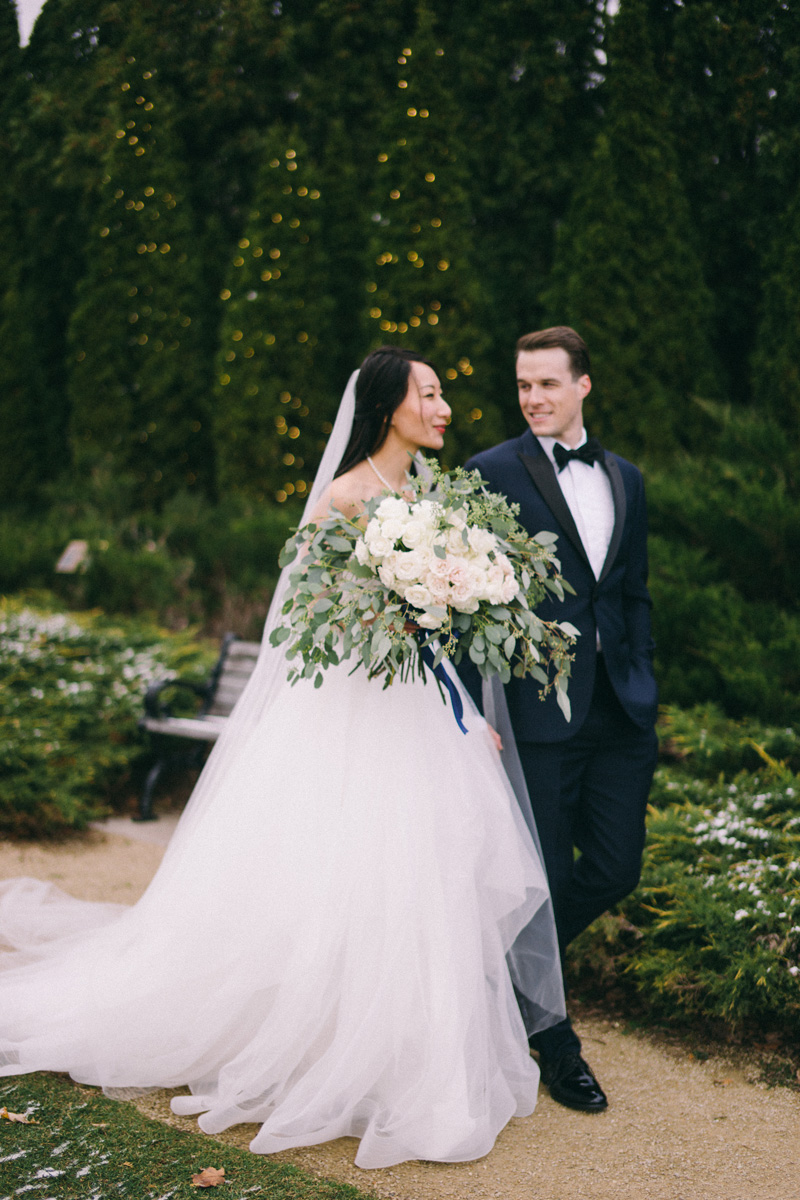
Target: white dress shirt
<point x="587" y="491"/>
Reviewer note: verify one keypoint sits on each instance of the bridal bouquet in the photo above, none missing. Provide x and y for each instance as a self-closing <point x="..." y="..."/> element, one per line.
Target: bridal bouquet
<point x="447" y="566"/>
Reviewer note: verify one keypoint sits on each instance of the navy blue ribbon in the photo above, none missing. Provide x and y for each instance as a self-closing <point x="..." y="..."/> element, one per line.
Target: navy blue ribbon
<point x="429" y="658"/>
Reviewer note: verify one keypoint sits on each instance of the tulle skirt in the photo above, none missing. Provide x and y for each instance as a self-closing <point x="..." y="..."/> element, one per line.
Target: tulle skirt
<point x="323" y="948"/>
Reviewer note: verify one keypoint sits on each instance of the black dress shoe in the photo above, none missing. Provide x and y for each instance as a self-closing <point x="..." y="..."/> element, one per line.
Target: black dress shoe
<point x="572" y="1083"/>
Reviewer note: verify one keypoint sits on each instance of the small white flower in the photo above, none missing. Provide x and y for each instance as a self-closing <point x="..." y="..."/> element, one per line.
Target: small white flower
<point x="740" y="914"/>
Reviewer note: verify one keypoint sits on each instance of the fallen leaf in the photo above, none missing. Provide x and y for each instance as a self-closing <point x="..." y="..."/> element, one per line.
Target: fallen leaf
<point x="19" y="1118"/>
<point x="209" y="1177"/>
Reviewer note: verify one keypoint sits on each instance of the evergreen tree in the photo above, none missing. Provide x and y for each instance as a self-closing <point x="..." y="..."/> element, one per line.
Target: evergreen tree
<point x="626" y="273"/>
<point x="343" y="75"/>
<point x="732" y="71"/>
<point x="50" y="113"/>
<point x="519" y="72"/>
<point x="422" y="287"/>
<point x="776" y="360"/>
<point x="274" y="388"/>
<point x="140" y="342"/>
<point x="9" y="41"/>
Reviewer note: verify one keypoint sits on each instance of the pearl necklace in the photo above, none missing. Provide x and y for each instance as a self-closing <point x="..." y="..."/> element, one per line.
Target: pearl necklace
<point x="384" y="481"/>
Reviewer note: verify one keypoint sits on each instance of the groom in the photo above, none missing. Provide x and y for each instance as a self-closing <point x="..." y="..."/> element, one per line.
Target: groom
<point x="588" y="779"/>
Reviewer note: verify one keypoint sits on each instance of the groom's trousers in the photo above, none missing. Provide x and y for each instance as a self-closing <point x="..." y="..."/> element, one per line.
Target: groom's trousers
<point x="590" y="792"/>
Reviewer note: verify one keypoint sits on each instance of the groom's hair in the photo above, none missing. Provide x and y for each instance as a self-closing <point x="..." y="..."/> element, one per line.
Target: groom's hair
<point x="559" y="337"/>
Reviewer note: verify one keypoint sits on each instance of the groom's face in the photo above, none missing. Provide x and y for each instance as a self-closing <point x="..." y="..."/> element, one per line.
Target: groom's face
<point x="550" y="397"/>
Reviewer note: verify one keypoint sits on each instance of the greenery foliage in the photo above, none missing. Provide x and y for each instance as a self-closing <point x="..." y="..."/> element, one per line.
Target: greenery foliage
<point x="193" y="561"/>
<point x="712" y="935"/>
<point x="72" y="695"/>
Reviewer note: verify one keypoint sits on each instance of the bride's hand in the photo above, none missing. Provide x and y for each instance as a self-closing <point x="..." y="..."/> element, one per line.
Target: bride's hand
<point x="498" y="741"/>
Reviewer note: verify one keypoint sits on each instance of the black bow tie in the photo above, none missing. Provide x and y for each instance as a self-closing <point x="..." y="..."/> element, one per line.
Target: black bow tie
<point x="590" y="452"/>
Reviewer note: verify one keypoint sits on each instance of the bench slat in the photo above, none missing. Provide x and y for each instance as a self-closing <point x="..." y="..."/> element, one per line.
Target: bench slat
<point x="202" y="729"/>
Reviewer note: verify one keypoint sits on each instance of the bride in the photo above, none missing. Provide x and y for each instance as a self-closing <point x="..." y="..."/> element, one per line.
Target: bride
<point x="329" y="945"/>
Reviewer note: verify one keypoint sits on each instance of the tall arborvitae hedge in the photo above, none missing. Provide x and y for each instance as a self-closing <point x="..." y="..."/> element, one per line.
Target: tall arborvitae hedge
<point x="627" y="275"/>
<point x="274" y="391"/>
<point x="732" y="73"/>
<point x="140" y="361"/>
<point x="51" y="99"/>
<point x="518" y="74"/>
<point x="422" y="287"/>
<point x="776" y="361"/>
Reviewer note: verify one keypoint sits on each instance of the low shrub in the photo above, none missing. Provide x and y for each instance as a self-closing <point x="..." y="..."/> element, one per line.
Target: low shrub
<point x="72" y="696"/>
<point x="713" y="645"/>
<point x="713" y="932"/>
<point x="193" y="562"/>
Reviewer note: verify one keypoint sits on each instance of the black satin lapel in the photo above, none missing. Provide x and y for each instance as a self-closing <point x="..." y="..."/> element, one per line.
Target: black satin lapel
<point x="620" y="512"/>
<point x="543" y="475"/>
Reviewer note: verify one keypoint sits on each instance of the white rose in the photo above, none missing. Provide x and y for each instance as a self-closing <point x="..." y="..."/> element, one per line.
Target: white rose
<point x="462" y="595"/>
<point x="362" y="551"/>
<point x="440" y="567"/>
<point x="468" y="606"/>
<point x="373" y="530"/>
<point x="410" y="565"/>
<point x="455" y="541"/>
<point x="392" y="507"/>
<point x="379" y="547"/>
<point x="429" y="621"/>
<point x="438" y="588"/>
<point x="457" y="518"/>
<point x="416" y="533"/>
<point x="418" y="595"/>
<point x="392" y="528"/>
<point x="387" y="576"/>
<point x="509" y="589"/>
<point x="493" y="587"/>
<point x="460" y="573"/>
<point x="482" y="541"/>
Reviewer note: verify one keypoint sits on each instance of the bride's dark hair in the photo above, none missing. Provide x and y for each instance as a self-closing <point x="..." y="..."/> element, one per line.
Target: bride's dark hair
<point x="381" y="387"/>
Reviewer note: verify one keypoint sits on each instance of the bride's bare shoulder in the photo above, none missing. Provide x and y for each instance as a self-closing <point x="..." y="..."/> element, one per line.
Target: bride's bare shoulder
<point x="347" y="494"/>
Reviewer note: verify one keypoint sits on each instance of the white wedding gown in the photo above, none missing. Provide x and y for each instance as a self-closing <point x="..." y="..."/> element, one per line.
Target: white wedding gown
<point x="323" y="948"/>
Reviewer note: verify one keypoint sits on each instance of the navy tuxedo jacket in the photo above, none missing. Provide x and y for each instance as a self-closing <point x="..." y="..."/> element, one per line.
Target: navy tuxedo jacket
<point x="617" y="604"/>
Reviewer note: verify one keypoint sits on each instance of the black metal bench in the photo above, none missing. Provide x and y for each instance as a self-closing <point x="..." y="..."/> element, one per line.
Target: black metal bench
<point x="216" y="698"/>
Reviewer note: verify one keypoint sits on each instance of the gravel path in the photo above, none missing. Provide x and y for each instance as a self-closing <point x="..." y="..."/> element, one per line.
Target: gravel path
<point x="676" y="1129"/>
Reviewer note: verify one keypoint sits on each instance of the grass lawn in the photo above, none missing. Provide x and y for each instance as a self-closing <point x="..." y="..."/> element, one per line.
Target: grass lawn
<point x="86" y="1147"/>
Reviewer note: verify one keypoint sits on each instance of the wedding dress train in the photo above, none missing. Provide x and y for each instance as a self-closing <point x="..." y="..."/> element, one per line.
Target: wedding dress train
<point x="323" y="948"/>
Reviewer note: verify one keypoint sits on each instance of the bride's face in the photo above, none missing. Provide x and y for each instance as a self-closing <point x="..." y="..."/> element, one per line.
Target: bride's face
<point x="422" y="416"/>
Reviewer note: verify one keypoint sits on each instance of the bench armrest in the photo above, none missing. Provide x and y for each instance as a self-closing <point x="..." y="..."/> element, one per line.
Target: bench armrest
<point x="153" y="705"/>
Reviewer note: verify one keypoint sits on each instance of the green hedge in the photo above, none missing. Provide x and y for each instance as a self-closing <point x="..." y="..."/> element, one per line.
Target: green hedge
<point x="72" y="696"/>
<point x="191" y="562"/>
